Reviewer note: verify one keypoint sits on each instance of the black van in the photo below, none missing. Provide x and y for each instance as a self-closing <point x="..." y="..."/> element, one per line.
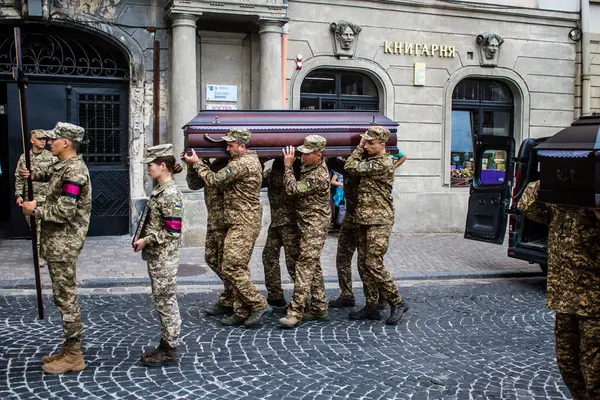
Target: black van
<point x="495" y="193"/>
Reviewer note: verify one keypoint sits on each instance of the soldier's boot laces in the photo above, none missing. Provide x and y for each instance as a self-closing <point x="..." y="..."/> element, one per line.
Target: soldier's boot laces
<point x="232" y="320"/>
<point x="289" y="322"/>
<point x="72" y="360"/>
<point x="256" y="316"/>
<point x="55" y="356"/>
<point x="396" y="314"/>
<point x="316" y="316"/>
<point x="218" y="309"/>
<point x="165" y="355"/>
<point x="365" y="313"/>
<point x="342" y="302"/>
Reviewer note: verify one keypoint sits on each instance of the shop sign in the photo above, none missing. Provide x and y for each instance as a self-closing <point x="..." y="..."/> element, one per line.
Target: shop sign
<point x="225" y="107"/>
<point x="419" y="49"/>
<point x="221" y="93"/>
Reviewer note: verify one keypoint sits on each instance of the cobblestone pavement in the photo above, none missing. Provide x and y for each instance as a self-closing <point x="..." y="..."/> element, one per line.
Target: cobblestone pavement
<point x="107" y="259"/>
<point x="460" y="340"/>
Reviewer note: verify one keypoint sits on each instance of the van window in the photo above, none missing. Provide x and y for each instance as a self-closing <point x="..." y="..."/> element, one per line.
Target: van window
<point x="493" y="167"/>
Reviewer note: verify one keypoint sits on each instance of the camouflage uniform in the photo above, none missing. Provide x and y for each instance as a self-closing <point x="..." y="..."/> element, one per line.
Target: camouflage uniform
<point x="375" y="217"/>
<point x="573" y="289"/>
<point x="215" y="228"/>
<point x="65" y="218"/>
<point x="240" y="182"/>
<point x="313" y="214"/>
<point x="348" y="238"/>
<point x="283" y="232"/>
<point x="42" y="161"/>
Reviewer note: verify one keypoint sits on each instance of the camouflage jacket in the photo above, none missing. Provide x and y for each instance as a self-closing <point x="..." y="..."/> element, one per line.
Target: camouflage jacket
<point x="213" y="198"/>
<point x="65" y="217"/>
<point x="374" y="202"/>
<point x="240" y="182"/>
<point x="41" y="161"/>
<point x="312" y="194"/>
<point x="162" y="228"/>
<point x="351" y="183"/>
<point x="573" y="254"/>
<point x="283" y="207"/>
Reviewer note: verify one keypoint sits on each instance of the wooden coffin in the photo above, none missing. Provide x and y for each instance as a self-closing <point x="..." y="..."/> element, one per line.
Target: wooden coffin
<point x="570" y="165"/>
<point x="273" y="130"/>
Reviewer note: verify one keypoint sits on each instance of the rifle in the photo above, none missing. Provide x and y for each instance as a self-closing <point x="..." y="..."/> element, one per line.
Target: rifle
<point x="19" y="76"/>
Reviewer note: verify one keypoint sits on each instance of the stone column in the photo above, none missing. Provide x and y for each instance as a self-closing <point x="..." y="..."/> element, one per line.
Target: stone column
<point x="183" y="96"/>
<point x="270" y="64"/>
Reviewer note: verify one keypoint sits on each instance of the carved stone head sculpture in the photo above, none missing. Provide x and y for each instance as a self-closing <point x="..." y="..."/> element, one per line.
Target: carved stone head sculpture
<point x="345" y="36"/>
<point x="489" y="48"/>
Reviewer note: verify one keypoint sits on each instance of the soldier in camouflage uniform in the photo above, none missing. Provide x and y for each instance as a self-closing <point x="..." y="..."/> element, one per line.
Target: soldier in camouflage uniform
<point x="240" y="182"/>
<point x="375" y="217"/>
<point x="215" y="232"/>
<point x="348" y="240"/>
<point x="43" y="160"/>
<point x="283" y="232"/>
<point x="573" y="288"/>
<point x="65" y="218"/>
<point x="159" y="243"/>
<point x="313" y="214"/>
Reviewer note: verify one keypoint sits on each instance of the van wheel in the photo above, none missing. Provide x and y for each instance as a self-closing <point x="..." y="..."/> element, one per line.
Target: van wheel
<point x="544" y="268"/>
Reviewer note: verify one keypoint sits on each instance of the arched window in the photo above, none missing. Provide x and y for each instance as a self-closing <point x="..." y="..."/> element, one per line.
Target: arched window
<point x="479" y="107"/>
<point x="325" y="89"/>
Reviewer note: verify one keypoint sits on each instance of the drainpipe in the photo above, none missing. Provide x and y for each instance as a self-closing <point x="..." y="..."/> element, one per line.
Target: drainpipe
<point x="284" y="42"/>
<point x="586" y="83"/>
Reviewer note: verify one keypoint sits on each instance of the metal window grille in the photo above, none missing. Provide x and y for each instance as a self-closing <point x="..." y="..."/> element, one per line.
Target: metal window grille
<point x="100" y="115"/>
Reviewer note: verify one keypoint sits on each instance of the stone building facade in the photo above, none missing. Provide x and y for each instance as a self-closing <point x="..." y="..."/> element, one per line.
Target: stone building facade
<point x="443" y="70"/>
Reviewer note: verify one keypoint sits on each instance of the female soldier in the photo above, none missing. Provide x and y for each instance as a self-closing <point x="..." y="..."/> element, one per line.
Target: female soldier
<point x="159" y="242"/>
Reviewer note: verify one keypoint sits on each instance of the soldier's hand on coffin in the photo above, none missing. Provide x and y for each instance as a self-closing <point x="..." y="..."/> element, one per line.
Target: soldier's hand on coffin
<point x="139" y="245"/>
<point x="28" y="207"/>
<point x="20" y="201"/>
<point x="289" y="154"/>
<point x="190" y="159"/>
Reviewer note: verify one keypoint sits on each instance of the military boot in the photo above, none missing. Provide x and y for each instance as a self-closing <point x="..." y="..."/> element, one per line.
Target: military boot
<point x="256" y="316"/>
<point x="289" y="322"/>
<point x="277" y="302"/>
<point x="233" y="320"/>
<point x="53" y="357"/>
<point x="152" y="353"/>
<point x="382" y="304"/>
<point x="72" y="360"/>
<point x="342" y="302"/>
<point x="218" y="309"/>
<point x="315" y="316"/>
<point x="396" y="314"/>
<point x="365" y="313"/>
<point x="165" y="355"/>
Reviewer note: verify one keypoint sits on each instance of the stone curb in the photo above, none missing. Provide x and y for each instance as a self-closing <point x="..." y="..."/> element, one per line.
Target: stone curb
<point x="211" y="280"/>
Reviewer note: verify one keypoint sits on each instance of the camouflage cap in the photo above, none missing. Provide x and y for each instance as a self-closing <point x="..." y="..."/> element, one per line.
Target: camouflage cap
<point x="161" y="150"/>
<point x="313" y="143"/>
<point x="376" y="133"/>
<point x="67" y="131"/>
<point x="237" y="135"/>
<point x="39" y="133"/>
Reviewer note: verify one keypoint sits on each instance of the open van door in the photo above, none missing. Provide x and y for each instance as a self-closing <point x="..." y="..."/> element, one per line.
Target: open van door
<point x="490" y="189"/>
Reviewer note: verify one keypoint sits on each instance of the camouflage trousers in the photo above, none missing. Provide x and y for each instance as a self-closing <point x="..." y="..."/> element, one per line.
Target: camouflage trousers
<point x="64" y="290"/>
<point x="288" y="237"/>
<point x="578" y="354"/>
<point x="163" y="278"/>
<point x="237" y="251"/>
<point x="213" y="256"/>
<point x="38" y="224"/>
<point x="309" y="275"/>
<point x="373" y="242"/>
<point x="347" y="245"/>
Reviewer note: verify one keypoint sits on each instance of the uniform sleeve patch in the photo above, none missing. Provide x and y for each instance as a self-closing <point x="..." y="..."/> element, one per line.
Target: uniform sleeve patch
<point x="228" y="170"/>
<point x="177" y="210"/>
<point x="305" y="185"/>
<point x="71" y="189"/>
<point x="173" y="224"/>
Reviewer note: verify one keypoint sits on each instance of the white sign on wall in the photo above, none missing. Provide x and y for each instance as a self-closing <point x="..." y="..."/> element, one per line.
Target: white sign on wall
<point x="221" y="93"/>
<point x="221" y="107"/>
